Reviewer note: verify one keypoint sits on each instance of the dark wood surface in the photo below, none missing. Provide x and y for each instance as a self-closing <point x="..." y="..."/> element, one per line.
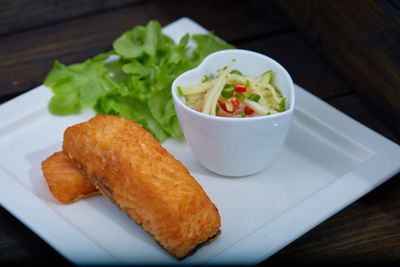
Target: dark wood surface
<point x="362" y="40"/>
<point x="35" y="33"/>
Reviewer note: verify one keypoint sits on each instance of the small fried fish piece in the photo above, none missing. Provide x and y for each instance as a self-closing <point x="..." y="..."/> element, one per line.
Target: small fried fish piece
<point x="133" y="170"/>
<point x="66" y="181"/>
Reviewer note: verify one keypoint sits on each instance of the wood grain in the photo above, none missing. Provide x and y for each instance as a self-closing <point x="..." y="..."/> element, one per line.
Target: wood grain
<point x="290" y="50"/>
<point x="77" y="39"/>
<point x="361" y="39"/>
<point x="22" y="15"/>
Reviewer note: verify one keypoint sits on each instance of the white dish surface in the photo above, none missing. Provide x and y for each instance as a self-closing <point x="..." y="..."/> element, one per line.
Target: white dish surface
<point x="328" y="161"/>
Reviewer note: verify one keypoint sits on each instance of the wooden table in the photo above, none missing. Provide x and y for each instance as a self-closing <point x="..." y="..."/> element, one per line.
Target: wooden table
<point x="35" y="33"/>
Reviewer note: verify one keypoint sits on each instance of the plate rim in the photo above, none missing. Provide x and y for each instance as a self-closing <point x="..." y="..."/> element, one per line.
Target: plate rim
<point x="266" y="244"/>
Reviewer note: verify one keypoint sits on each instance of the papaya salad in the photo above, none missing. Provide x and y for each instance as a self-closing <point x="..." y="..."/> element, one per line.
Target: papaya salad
<point x="232" y="94"/>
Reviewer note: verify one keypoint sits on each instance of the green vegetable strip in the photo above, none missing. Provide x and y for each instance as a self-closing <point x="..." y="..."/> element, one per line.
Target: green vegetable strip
<point x="228" y="91"/>
<point x="261" y="95"/>
<point x="255" y="97"/>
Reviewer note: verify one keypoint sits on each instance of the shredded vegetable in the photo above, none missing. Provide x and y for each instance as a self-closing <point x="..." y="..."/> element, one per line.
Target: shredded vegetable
<point x="232" y="94"/>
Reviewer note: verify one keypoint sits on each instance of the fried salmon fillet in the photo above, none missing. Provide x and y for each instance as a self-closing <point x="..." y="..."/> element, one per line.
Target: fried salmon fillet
<point x="131" y="168"/>
<point x="66" y="181"/>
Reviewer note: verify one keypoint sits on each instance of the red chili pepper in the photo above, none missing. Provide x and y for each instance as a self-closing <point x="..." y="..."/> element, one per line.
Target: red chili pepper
<point x="223" y="106"/>
<point x="240" y="88"/>
<point x="235" y="102"/>
<point x="248" y="110"/>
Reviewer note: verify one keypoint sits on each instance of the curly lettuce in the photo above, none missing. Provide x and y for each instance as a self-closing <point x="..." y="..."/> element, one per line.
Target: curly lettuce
<point x="136" y="84"/>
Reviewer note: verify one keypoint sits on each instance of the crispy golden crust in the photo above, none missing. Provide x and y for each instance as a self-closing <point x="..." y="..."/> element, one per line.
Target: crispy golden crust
<point x="66" y="181"/>
<point x="132" y="169"/>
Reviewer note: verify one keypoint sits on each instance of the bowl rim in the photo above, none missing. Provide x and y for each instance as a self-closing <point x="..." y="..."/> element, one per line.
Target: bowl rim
<point x="177" y="98"/>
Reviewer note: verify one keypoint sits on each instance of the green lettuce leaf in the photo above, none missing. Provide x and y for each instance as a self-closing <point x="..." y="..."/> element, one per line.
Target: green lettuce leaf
<point x="161" y="106"/>
<point x="133" y="109"/>
<point x="207" y="44"/>
<point x="138" y="84"/>
<point x="78" y="85"/>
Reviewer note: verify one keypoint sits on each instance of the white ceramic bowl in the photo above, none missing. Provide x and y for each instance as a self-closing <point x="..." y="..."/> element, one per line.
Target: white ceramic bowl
<point x="235" y="146"/>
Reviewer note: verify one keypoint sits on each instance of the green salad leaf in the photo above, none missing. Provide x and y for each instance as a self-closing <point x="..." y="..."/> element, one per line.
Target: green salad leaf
<point x="78" y="85"/>
<point x="137" y="85"/>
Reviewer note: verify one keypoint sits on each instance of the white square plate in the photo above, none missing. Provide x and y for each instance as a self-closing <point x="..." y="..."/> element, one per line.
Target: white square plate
<point x="328" y="161"/>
